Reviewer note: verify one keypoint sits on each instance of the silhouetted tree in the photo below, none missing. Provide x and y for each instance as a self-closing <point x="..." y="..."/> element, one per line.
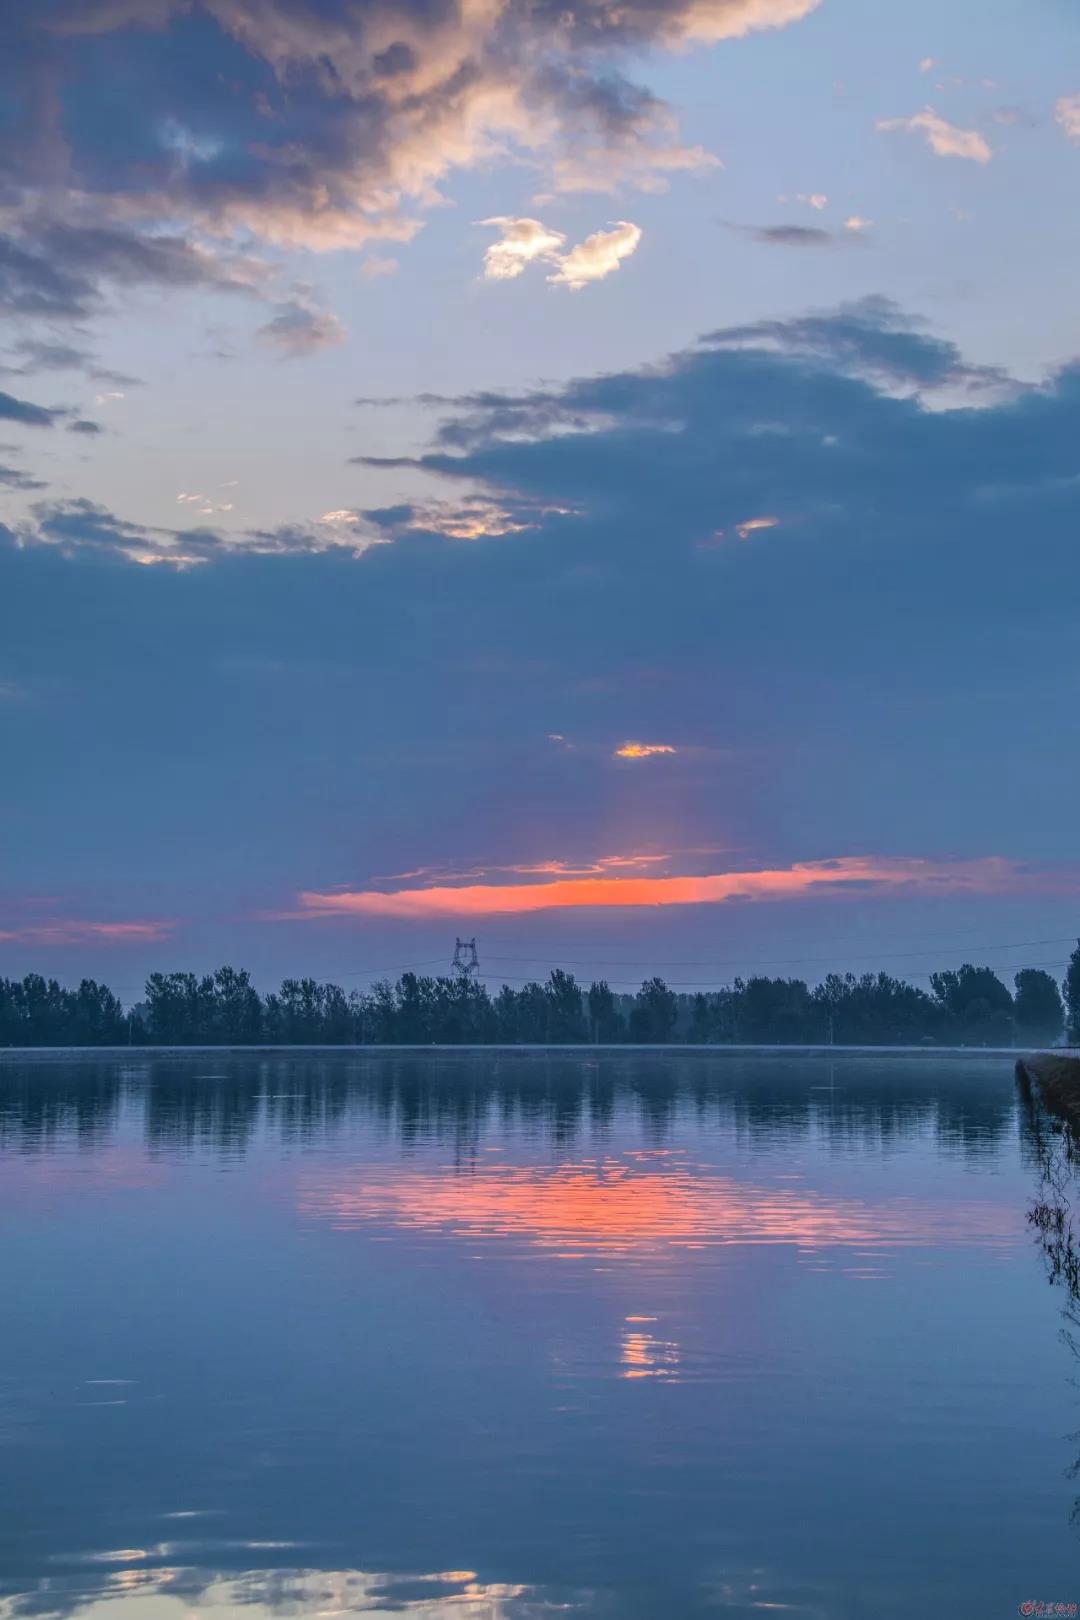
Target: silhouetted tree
<point x="777" y="1010"/>
<point x="1072" y="998"/>
<point x="978" y="1007"/>
<point x="875" y="1009"/>
<point x="1038" y="1008"/>
<point x="179" y="1009"/>
<point x="237" y="1008"/>
<point x="566" y="1015"/>
<point x="605" y="1019"/>
<point x="969" y="1005"/>
<point x="532" y="1010"/>
<point x="653" y="1015"/>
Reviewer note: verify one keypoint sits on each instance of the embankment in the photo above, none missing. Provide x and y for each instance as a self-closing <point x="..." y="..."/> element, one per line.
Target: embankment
<point x="1056" y="1078"/>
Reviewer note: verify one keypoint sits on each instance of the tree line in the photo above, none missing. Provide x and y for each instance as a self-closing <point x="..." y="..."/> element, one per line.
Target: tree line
<point x="968" y="1006"/>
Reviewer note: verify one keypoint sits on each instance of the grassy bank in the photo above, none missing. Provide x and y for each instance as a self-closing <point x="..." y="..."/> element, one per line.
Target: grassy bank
<point x="1056" y="1077"/>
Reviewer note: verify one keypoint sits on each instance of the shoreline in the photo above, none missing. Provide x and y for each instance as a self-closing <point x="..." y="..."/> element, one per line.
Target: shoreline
<point x="1055" y="1076"/>
<point x="1030" y="1062"/>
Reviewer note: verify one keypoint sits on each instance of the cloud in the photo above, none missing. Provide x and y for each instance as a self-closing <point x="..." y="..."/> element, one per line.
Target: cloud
<point x="871" y="337"/>
<point x="43" y="355"/>
<point x="476" y="517"/>
<point x="597" y="256"/>
<point x="812" y="199"/>
<point x="1067" y="116"/>
<point x="788" y="235"/>
<point x="77" y="931"/>
<point x="520" y="242"/>
<point x="25" y="414"/>
<point x="523" y="241"/>
<point x="944" y="139"/>
<point x="55" y="269"/>
<point x="935" y="506"/>
<point x="298" y="329"/>
<point x="377" y="265"/>
<point x="861" y="874"/>
<point x="752" y="525"/>
<point x="638" y="750"/>
<point x="856" y="222"/>
<point x="295" y="124"/>
<point x="15" y="478"/>
<point x="82" y="528"/>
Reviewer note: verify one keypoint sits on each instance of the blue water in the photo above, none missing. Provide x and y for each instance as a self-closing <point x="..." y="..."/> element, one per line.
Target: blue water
<point x="496" y="1337"/>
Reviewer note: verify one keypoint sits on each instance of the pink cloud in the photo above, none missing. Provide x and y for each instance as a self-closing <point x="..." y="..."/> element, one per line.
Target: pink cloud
<point x="72" y="931"/>
<point x="857" y="873"/>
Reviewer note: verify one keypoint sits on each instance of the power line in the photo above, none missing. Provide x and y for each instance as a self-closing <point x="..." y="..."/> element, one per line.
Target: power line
<point x="779" y="961"/>
<point x="711" y="984"/>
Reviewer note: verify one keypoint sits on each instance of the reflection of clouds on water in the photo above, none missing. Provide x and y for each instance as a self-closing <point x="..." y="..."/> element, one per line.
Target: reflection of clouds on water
<point x="178" y="1592"/>
<point x="626" y="1204"/>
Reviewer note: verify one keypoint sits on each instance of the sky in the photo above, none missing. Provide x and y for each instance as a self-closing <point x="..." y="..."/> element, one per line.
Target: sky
<point x="599" y="479"/>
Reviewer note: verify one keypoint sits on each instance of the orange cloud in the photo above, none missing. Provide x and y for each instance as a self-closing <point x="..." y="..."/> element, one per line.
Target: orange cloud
<point x="856" y="873"/>
<point x="637" y="750"/>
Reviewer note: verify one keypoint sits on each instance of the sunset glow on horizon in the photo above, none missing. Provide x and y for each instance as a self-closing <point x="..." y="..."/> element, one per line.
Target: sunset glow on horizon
<point x="860" y="873"/>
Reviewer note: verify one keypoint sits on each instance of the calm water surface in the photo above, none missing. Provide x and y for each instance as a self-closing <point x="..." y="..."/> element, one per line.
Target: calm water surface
<point x="494" y="1337"/>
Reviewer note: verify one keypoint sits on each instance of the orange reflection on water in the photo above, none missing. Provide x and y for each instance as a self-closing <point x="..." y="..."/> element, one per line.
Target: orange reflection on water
<point x="614" y="1206"/>
<point x="644" y="1356"/>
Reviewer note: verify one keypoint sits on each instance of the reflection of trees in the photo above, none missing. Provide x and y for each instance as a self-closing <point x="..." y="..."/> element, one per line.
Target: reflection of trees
<point x="41" y="1103"/>
<point x="1054" y="1150"/>
<point x="221" y="1101"/>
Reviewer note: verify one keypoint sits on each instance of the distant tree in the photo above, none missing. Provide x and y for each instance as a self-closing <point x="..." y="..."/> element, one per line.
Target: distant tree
<point x="603" y="1010"/>
<point x="1072" y="998"/>
<point x="338" y="1022"/>
<point x="506" y="1016"/>
<point x="96" y="1016"/>
<point x="301" y="1011"/>
<point x="566" y="1014"/>
<point x="605" y="1019"/>
<point x="531" y="1014"/>
<point x="1039" y="1012"/>
<point x="382" y="1012"/>
<point x="237" y="1011"/>
<point x="780" y="1011"/>
<point x="978" y="1008"/>
<point x="968" y="1004"/>
<point x="415" y="1010"/>
<point x="653" y="1015"/>
<point x="875" y="1010"/>
<point x="708" y="1018"/>
<point x="178" y="1008"/>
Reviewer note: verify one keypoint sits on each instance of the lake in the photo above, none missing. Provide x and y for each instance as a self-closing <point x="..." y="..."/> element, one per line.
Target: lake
<point x="495" y="1336"/>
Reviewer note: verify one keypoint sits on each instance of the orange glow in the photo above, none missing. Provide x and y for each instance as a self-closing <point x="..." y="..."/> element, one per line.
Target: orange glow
<point x="637" y="750"/>
<point x="857" y="873"/>
<point x="643" y="1356"/>
<point x="625" y="1206"/>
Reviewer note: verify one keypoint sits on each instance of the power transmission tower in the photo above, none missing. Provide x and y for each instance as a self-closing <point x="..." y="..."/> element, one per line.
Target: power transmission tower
<point x="466" y="963"/>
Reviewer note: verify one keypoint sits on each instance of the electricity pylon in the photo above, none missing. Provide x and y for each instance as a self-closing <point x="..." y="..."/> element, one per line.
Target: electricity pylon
<point x="466" y="963"/>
